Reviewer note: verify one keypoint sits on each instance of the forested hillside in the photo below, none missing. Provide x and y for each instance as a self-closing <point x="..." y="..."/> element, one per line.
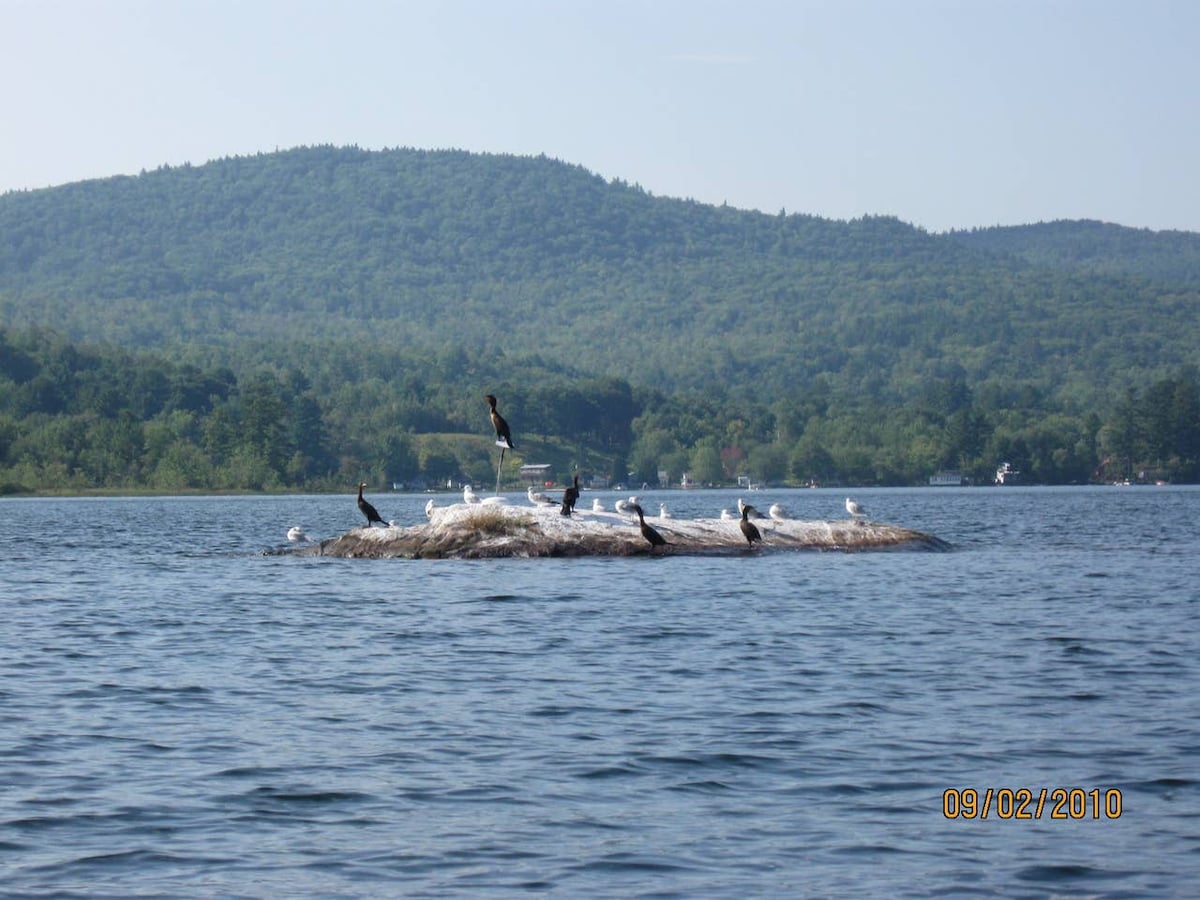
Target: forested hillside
<point x="1097" y="248"/>
<point x="385" y="292"/>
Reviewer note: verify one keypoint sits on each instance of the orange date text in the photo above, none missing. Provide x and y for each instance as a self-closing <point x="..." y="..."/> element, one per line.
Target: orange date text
<point x="1031" y="803"/>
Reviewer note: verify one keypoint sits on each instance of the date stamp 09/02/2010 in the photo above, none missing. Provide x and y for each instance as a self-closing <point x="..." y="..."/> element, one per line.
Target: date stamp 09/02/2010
<point x="1031" y="803"/>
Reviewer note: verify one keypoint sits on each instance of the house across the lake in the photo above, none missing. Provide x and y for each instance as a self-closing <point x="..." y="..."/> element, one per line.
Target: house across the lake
<point x="538" y="475"/>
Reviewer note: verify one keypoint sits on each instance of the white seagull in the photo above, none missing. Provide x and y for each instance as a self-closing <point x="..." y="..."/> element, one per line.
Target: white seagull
<point x="629" y="507"/>
<point x="777" y="512"/>
<point x="296" y="534"/>
<point x="537" y="498"/>
<point x="754" y="513"/>
<point x="726" y="514"/>
<point x="469" y="494"/>
<point x="597" y="506"/>
<point x="663" y="512"/>
<point x="856" y="511"/>
<point x="429" y="505"/>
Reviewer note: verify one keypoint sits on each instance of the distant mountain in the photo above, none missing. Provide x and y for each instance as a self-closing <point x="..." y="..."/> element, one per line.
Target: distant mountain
<point x="1096" y="248"/>
<point x="531" y="257"/>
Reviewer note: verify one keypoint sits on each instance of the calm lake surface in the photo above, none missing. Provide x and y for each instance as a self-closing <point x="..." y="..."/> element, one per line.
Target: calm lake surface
<point x="184" y="715"/>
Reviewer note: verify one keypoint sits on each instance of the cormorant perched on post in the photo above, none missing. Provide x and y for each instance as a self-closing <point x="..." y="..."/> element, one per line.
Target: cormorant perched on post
<point x="570" y="495"/>
<point x="749" y="529"/>
<point x="368" y="510"/>
<point x="503" y="434"/>
<point x="655" y="539"/>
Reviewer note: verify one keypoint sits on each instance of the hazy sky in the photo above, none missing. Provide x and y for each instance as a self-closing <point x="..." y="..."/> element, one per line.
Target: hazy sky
<point x="945" y="113"/>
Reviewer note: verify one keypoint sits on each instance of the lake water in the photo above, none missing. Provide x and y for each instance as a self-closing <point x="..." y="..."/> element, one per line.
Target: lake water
<point x="182" y="715"/>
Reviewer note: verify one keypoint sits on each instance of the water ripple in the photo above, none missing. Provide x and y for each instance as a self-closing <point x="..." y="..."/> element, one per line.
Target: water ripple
<point x="196" y="719"/>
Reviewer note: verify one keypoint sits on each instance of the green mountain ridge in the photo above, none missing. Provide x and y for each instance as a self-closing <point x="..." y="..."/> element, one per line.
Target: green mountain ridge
<point x="392" y="278"/>
<point x="1089" y="247"/>
<point x="421" y="249"/>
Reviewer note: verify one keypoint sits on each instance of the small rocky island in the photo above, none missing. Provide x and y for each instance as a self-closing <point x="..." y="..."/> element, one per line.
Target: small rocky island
<point x="484" y="531"/>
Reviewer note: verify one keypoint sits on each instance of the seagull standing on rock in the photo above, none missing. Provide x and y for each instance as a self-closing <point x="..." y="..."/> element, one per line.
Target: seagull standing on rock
<point x="628" y="506"/>
<point x="743" y="506"/>
<point x="537" y="498"/>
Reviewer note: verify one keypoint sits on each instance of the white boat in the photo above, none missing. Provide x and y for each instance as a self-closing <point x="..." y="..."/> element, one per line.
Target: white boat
<point x="1006" y="474"/>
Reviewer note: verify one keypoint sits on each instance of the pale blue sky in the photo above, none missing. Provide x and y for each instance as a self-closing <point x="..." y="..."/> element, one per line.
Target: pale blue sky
<point x="945" y="113"/>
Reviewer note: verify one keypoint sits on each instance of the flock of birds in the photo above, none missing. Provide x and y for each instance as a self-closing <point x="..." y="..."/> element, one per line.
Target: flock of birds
<point x="631" y="506"/>
<point x="570" y="496"/>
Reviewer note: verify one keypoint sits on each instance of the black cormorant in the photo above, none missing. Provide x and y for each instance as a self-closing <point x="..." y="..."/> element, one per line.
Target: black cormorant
<point x="655" y="539"/>
<point x="570" y="495"/>
<point x="368" y="510"/>
<point x="749" y="529"/>
<point x="503" y="434"/>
